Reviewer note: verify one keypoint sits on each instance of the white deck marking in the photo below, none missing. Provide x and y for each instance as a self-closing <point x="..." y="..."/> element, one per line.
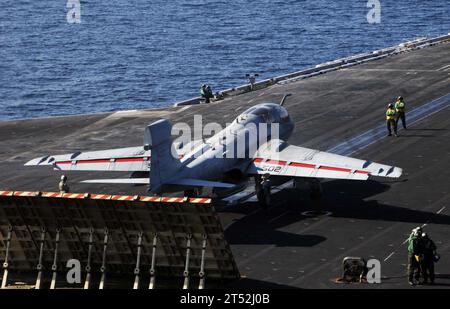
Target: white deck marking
<point x="183" y="108"/>
<point x="389" y="256"/>
<point x="444" y="68"/>
<point x="126" y="111"/>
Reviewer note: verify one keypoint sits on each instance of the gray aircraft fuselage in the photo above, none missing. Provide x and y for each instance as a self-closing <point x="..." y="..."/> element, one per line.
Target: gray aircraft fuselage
<point x="232" y="149"/>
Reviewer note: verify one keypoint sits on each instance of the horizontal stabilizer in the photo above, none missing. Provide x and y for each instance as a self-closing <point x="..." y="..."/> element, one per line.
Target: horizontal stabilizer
<point x="130" y="159"/>
<point x="135" y="181"/>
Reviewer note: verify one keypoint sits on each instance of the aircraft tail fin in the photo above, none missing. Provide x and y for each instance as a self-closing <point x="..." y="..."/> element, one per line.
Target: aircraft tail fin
<point x="164" y="162"/>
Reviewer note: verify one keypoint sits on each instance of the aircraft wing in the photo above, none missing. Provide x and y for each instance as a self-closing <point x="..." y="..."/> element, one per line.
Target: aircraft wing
<point x="129" y="159"/>
<point x="281" y="159"/>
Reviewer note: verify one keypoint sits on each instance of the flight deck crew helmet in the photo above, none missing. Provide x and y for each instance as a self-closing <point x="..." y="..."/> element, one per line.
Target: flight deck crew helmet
<point x="417" y="231"/>
<point x="400" y="98"/>
<point x="63" y="177"/>
<point x="390" y="105"/>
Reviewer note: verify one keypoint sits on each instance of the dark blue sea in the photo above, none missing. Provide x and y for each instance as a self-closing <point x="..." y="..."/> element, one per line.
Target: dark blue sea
<point x="130" y="54"/>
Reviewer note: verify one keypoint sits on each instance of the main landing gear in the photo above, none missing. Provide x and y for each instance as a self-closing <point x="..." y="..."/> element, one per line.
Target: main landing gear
<point x="263" y="189"/>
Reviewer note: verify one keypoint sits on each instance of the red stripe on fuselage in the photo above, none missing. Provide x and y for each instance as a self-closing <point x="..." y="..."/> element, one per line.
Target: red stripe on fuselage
<point x="64" y="162"/>
<point x="336" y="169"/>
<point x="296" y="164"/>
<point x="328" y="168"/>
<point x="276" y="162"/>
<point x="306" y="165"/>
<point x="130" y="160"/>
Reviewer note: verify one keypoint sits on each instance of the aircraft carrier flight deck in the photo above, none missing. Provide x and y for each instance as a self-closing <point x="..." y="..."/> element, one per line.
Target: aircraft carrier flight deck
<point x="291" y="245"/>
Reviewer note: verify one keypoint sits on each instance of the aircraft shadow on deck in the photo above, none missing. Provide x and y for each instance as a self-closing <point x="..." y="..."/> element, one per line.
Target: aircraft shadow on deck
<point x="349" y="202"/>
<point x="256" y="229"/>
<point x="238" y="234"/>
<point x="341" y="198"/>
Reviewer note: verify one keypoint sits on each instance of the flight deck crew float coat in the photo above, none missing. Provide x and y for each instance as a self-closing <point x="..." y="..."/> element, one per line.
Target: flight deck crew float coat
<point x="206" y="93"/>
<point x="391" y="120"/>
<point x="400" y="106"/>
<point x="391" y="114"/>
<point x="400" y="109"/>
<point x="429" y="250"/>
<point x="413" y="264"/>
<point x="413" y="245"/>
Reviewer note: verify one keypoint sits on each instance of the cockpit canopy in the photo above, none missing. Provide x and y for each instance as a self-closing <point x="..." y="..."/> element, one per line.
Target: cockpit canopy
<point x="270" y="112"/>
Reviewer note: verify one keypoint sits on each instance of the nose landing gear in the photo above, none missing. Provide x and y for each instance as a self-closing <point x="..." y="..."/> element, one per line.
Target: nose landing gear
<point x="263" y="189"/>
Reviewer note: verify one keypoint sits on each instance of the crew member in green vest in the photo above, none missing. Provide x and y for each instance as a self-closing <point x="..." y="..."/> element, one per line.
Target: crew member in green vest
<point x="206" y="93"/>
<point x="391" y="120"/>
<point x="414" y="255"/>
<point x="400" y="109"/>
<point x="429" y="257"/>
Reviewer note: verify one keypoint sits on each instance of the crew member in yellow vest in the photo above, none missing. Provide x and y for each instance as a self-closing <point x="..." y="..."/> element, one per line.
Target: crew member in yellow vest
<point x="391" y="119"/>
<point x="400" y="109"/>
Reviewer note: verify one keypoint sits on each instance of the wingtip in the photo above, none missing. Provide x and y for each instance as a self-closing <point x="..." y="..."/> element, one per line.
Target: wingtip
<point x="40" y="161"/>
<point x="398" y="172"/>
<point x="394" y="172"/>
<point x="33" y="162"/>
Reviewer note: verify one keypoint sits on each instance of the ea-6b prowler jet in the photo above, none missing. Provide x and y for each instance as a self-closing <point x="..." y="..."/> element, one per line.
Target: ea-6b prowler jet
<point x="216" y="163"/>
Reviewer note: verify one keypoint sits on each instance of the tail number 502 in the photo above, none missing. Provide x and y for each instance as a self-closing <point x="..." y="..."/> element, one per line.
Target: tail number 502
<point x="273" y="169"/>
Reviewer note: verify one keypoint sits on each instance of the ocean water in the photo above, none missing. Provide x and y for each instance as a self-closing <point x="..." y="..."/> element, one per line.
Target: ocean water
<point x="151" y="53"/>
